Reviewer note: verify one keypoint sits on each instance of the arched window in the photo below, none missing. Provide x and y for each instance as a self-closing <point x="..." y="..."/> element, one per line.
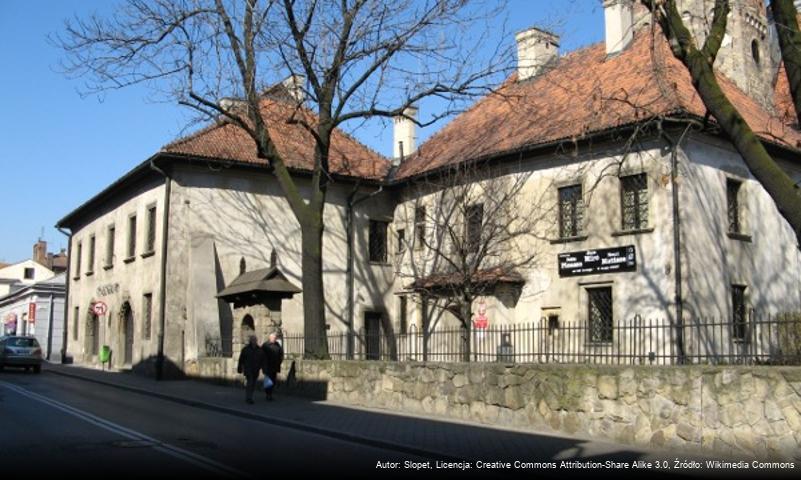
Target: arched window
<point x="247" y="323"/>
<point x="755" y="50"/>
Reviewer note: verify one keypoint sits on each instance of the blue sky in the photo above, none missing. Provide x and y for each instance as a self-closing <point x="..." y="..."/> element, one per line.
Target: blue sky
<point x="58" y="149"/>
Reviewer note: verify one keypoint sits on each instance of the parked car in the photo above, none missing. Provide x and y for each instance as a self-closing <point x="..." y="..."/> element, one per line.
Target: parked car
<point x="18" y="351"/>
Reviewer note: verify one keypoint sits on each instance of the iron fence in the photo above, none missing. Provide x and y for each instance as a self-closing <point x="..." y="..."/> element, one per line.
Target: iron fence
<point x="755" y="339"/>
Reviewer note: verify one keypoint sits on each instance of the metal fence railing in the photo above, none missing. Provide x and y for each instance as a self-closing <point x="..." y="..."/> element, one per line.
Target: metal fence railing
<point x="766" y="339"/>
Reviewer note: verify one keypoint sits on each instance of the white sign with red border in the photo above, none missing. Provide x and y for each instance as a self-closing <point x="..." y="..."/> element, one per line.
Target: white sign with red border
<point x="100" y="308"/>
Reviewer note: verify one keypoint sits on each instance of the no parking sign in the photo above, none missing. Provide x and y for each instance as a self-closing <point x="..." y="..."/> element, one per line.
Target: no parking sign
<point x="100" y="308"/>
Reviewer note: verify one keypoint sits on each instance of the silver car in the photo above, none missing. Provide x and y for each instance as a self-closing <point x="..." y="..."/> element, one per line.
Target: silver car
<point x="16" y="351"/>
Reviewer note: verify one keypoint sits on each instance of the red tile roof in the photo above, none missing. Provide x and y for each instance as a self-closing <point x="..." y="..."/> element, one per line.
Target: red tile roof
<point x="227" y="141"/>
<point x="585" y="92"/>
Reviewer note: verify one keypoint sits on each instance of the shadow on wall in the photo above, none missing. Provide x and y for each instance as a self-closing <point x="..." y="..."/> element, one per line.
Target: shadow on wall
<point x="147" y="367"/>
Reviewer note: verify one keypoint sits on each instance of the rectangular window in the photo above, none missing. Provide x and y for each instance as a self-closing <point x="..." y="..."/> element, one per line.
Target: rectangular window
<point x="733" y="204"/>
<point x="420" y="227"/>
<point x="75" y="323"/>
<point x="29" y="273"/>
<point x="473" y="221"/>
<point x="378" y="241"/>
<point x="402" y="319"/>
<point x="571" y="212"/>
<point x="553" y="323"/>
<point x="147" y="311"/>
<point x="110" y="246"/>
<point x="739" y="318"/>
<point x="150" y="246"/>
<point x="91" y="266"/>
<point x="401" y="240"/>
<point x="78" y="261"/>
<point x="634" y="201"/>
<point x="600" y="314"/>
<point x="131" y="236"/>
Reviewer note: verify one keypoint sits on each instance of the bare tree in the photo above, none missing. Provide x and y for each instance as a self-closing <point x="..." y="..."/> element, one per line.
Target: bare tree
<point x="699" y="63"/>
<point x="357" y="59"/>
<point x="473" y="227"/>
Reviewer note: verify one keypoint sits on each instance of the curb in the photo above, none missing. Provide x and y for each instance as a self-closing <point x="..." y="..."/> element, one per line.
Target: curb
<point x="349" y="437"/>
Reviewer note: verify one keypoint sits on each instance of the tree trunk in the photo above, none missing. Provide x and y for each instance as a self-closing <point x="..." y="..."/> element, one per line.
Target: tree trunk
<point x="466" y="313"/>
<point x="315" y="341"/>
<point x="784" y="14"/>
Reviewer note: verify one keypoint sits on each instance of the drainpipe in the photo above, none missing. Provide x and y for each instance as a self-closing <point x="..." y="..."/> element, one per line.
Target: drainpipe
<point x="50" y="329"/>
<point x="674" y="172"/>
<point x="67" y="304"/>
<point x="163" y="274"/>
<point x="352" y="202"/>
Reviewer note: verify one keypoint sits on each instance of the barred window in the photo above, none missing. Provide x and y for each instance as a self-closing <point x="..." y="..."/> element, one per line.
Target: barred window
<point x="150" y="246"/>
<point x="600" y="314"/>
<point x="378" y="241"/>
<point x="571" y="212"/>
<point x="110" y="246"/>
<point x="420" y="226"/>
<point x="474" y="217"/>
<point x="91" y="267"/>
<point x="739" y="320"/>
<point x="733" y="204"/>
<point x="147" y="310"/>
<point x="131" y="236"/>
<point x="634" y="201"/>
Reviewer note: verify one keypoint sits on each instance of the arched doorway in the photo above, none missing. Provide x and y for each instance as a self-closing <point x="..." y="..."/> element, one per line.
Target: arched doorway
<point x="248" y="328"/>
<point x="127" y="333"/>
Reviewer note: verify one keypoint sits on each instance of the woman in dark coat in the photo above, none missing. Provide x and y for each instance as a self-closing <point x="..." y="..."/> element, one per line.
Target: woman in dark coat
<point x="251" y="361"/>
<point x="273" y="357"/>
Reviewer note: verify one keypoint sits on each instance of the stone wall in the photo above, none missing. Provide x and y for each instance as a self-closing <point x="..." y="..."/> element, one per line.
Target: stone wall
<point x="753" y="411"/>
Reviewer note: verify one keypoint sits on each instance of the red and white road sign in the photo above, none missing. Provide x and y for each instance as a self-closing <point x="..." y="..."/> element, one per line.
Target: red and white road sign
<point x="100" y="308"/>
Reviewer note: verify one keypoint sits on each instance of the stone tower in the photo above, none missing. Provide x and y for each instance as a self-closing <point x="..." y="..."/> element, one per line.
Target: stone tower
<point x="749" y="55"/>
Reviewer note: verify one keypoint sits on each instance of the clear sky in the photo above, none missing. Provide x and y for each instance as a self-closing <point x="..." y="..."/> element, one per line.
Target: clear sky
<point x="58" y="149"/>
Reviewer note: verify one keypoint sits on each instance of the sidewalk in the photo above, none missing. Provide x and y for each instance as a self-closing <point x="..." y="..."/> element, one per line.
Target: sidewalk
<point x="432" y="437"/>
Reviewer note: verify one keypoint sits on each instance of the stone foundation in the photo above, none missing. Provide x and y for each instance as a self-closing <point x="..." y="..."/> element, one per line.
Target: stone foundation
<point x="752" y="411"/>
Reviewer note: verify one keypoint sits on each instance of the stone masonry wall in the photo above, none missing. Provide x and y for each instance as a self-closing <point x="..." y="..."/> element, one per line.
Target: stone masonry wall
<point x="753" y="411"/>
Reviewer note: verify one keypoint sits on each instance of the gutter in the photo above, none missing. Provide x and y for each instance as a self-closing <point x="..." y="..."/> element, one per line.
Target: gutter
<point x="349" y="220"/>
<point x="67" y="304"/>
<point x="163" y="272"/>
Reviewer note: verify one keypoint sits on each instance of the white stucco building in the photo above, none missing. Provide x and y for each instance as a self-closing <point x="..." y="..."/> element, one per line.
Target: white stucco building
<point x="614" y="142"/>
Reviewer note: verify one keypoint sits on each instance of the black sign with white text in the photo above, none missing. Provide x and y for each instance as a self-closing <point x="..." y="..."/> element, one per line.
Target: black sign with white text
<point x="603" y="260"/>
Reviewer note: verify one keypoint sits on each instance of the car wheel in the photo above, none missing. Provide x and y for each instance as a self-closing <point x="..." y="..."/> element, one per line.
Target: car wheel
<point x="37" y="369"/>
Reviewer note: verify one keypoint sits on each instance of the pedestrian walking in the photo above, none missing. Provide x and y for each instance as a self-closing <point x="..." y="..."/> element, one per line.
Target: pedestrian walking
<point x="273" y="357"/>
<point x="251" y="361"/>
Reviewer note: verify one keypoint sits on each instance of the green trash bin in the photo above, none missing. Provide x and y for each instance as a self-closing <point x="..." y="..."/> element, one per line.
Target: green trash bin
<point x="105" y="353"/>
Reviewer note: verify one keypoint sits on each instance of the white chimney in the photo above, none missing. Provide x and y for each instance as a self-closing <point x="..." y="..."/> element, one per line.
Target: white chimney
<point x="619" y="21"/>
<point x="294" y="86"/>
<point x="535" y="49"/>
<point x="404" y="135"/>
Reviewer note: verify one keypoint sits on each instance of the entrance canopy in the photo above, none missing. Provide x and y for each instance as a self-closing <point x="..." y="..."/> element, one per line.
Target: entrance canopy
<point x="257" y="287"/>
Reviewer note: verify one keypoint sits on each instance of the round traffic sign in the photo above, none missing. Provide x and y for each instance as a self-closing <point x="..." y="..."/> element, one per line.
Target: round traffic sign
<point x="100" y="308"/>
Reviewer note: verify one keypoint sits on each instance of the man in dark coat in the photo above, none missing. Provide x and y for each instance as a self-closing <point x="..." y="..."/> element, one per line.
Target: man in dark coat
<point x="251" y="361"/>
<point x="273" y="357"/>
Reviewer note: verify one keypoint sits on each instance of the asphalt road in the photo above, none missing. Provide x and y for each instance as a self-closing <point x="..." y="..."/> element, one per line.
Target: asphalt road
<point x="52" y="425"/>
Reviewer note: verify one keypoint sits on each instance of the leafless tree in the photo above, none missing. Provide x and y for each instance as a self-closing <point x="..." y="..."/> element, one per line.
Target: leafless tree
<point x="699" y="63"/>
<point x="472" y="227"/>
<point x="358" y="59"/>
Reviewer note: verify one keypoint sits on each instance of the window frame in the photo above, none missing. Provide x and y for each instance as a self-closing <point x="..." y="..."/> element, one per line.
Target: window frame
<point x="32" y="273"/>
<point x="734" y="224"/>
<point x="629" y="180"/>
<point x="79" y="249"/>
<point x="130" y="247"/>
<point x="376" y="227"/>
<point x="150" y="230"/>
<point x="147" y="311"/>
<point x="577" y="212"/>
<point x="607" y="334"/>
<point x="111" y="234"/>
<point x="90" y="267"/>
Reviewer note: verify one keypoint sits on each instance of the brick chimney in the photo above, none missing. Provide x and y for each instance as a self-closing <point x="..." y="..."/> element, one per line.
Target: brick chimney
<point x="535" y="50"/>
<point x="40" y="252"/>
